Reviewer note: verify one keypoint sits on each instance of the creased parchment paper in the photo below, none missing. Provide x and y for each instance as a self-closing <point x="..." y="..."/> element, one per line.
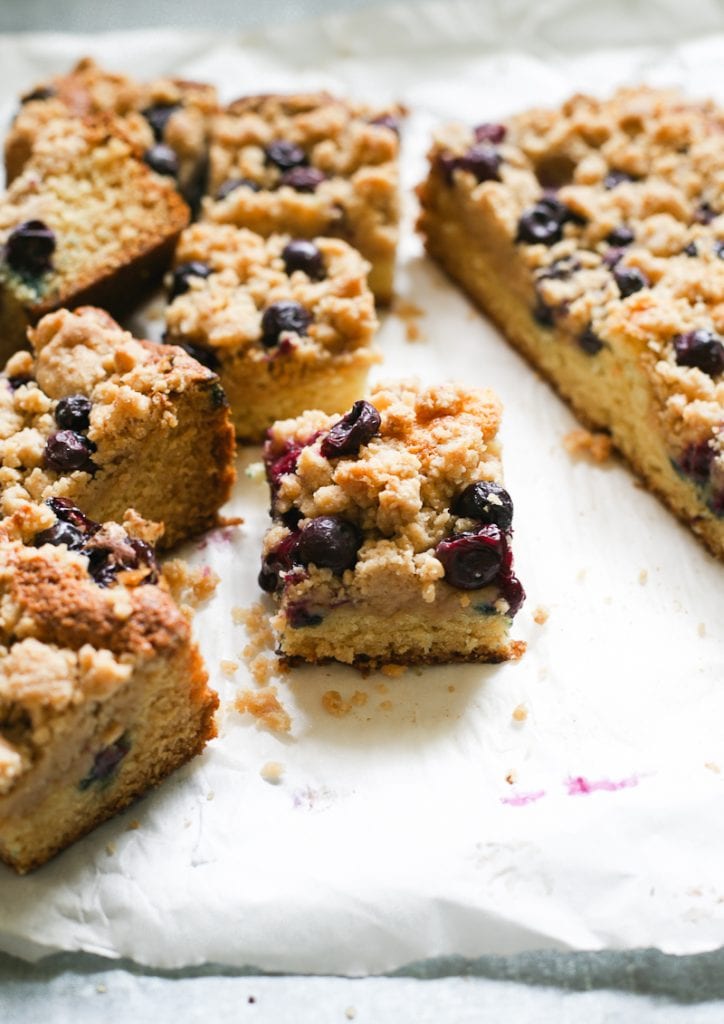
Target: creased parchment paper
<point x="430" y="821"/>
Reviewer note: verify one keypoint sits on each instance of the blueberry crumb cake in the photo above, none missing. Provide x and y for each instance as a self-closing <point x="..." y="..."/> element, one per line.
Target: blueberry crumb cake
<point x="594" y="236"/>
<point x="288" y="324"/>
<point x="102" y="691"/>
<point x="391" y="534"/>
<point x="108" y="422"/>
<point x="310" y="165"/>
<point x="87" y="221"/>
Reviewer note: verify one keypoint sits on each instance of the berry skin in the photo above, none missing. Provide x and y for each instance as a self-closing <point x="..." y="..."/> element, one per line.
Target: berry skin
<point x="590" y="342"/>
<point x="329" y="543"/>
<point x="303" y="179"/>
<point x="29" y="248"/>
<point x="472" y="560"/>
<point x="227" y="187"/>
<point x="630" y="280"/>
<point x="489" y="132"/>
<point x="158" y="117"/>
<point x="347" y="435"/>
<point x="486" y="501"/>
<point x="183" y="274"/>
<point x="299" y="254"/>
<point x="67" y="451"/>
<point x="543" y="222"/>
<point x="162" y="159"/>
<point x="621" y="236"/>
<point x="285" y="155"/>
<point x="281" y="317"/>
<point x="73" y="412"/>
<point x="701" y="349"/>
<point x="61" y="533"/>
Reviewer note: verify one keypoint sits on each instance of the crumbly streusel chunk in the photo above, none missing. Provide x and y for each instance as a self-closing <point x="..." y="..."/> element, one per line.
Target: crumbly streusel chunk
<point x="610" y="219"/>
<point x="282" y="320"/>
<point x="310" y="165"/>
<point x="396" y="511"/>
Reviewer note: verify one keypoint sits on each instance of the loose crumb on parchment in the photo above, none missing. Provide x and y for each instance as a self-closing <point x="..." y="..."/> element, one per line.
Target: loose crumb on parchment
<point x="265" y="706"/>
<point x="520" y="713"/>
<point x="584" y="444"/>
<point x="701" y="629"/>
<point x="335" y="704"/>
<point x="272" y="772"/>
<point x="393" y="671"/>
<point x="189" y="586"/>
<point x="228" y="667"/>
<point x="643" y="577"/>
<point x="410" y="315"/>
<point x="540" y="615"/>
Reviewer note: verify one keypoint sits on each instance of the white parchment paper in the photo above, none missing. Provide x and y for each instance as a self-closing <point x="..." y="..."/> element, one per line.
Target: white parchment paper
<point x="428" y="821"/>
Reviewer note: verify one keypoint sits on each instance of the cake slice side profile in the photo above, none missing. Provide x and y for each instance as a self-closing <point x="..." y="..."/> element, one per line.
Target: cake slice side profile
<point x="592" y="237"/>
<point x="391" y="534"/>
<point x="103" y="692"/>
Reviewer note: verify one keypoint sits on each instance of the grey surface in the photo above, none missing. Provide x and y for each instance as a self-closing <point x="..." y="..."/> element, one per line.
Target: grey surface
<point x="600" y="988"/>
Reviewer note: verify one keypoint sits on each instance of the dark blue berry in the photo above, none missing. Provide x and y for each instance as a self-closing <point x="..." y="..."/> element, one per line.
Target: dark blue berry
<point x="73" y="412"/>
<point x="299" y="616"/>
<point x="61" y="533"/>
<point x="613" y="256"/>
<point x="18" y="382"/>
<point x="615" y="178"/>
<point x="543" y="223"/>
<point x="356" y="428"/>
<point x="691" y="250"/>
<point x="158" y="117"/>
<point x="490" y="132"/>
<point x="184" y="272"/>
<point x="206" y="356"/>
<point x="303" y="179"/>
<point x="718" y="249"/>
<point x="43" y="92"/>
<point x="705" y="213"/>
<point x="630" y="280"/>
<point x="281" y="317"/>
<point x="387" y="121"/>
<point x="162" y="159"/>
<point x="66" y="451"/>
<point x="621" y="235"/>
<point x="106" y="762"/>
<point x="696" y="462"/>
<point x="471" y="560"/>
<point x="29" y="248"/>
<point x="108" y="557"/>
<point x="300" y="254"/>
<point x="543" y="314"/>
<point x="285" y="155"/>
<point x="67" y="512"/>
<point x="329" y="543"/>
<point x="702" y="349"/>
<point x="486" y="501"/>
<point x="590" y="342"/>
<point x="232" y="184"/>
<point x="482" y="161"/>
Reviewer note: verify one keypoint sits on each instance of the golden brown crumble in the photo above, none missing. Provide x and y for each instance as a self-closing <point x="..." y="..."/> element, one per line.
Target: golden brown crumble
<point x="593" y="446"/>
<point x="266" y="707"/>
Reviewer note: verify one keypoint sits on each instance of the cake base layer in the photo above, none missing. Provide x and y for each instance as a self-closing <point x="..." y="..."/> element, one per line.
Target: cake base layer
<point x="608" y="391"/>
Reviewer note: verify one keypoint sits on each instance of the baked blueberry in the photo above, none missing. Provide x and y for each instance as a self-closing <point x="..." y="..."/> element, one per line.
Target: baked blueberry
<point x="329" y="542"/>
<point x="299" y="254"/>
<point x="61" y="533"/>
<point x="486" y="501"/>
<point x="490" y="132"/>
<point x="43" y="92"/>
<point x="281" y="317"/>
<point x="162" y="159"/>
<point x="471" y="560"/>
<point x="630" y="280"/>
<point x="702" y="349"/>
<point x="184" y="272"/>
<point x="691" y="250"/>
<point x="543" y="314"/>
<point x="303" y="179"/>
<point x="106" y="762"/>
<point x="615" y="178"/>
<point x="158" y="116"/>
<point x="299" y="616"/>
<point x="285" y="155"/>
<point x="29" y="248"/>
<point x="482" y="161"/>
<point x="278" y="561"/>
<point x="67" y="512"/>
<point x="206" y="356"/>
<point x="67" y="451"/>
<point x="718" y="249"/>
<point x="356" y="428"/>
<point x="18" y="381"/>
<point x="227" y="187"/>
<point x="696" y="462"/>
<point x="590" y="342"/>
<point x="621" y="235"/>
<point x="387" y="121"/>
<point x="73" y="412"/>
<point x="543" y="222"/>
<point x="705" y="213"/>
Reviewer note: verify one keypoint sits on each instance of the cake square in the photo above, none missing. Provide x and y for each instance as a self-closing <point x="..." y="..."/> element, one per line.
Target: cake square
<point x="593" y="235"/>
<point x="111" y="423"/>
<point x="87" y="221"/>
<point x="288" y="324"/>
<point x="391" y="534"/>
<point x="102" y="691"/>
<point x="176" y="116"/>
<point x="310" y="165"/>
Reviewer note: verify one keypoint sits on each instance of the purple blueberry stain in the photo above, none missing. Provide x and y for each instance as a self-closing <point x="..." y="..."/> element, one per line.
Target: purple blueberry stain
<point x="279" y="561"/>
<point x="590" y="342"/>
<point x="106" y="763"/>
<point x="299" y="616"/>
<point x="184" y="272"/>
<point x="29" y="248"/>
<point x="355" y="429"/>
<point x="696" y="461"/>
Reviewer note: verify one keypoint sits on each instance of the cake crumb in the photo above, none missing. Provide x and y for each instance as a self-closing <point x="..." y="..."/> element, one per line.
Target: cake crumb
<point x="210" y="795"/>
<point x="110" y="849"/>
<point x="581" y="575"/>
<point x="713" y="767"/>
<point x="133" y="825"/>
<point x="540" y="615"/>
<point x="258" y="627"/>
<point x="189" y="586"/>
<point x="511" y="778"/>
<point x="520" y="713"/>
<point x="101" y="989"/>
<point x="543" y="672"/>
<point x="237" y="615"/>
<point x="262" y="667"/>
<point x="272" y="772"/>
<point x="381" y="688"/>
<point x="643" y="577"/>
<point x="229" y="667"/>
<point x="451" y="688"/>
<point x="393" y="671"/>
<point x="266" y="707"/>
<point x="385" y="705"/>
<point x="701" y="629"/>
<point x="359" y="698"/>
<point x="334" y="704"/>
<point x="410" y="314"/>
<point x="595" y="447"/>
<point x="350" y="1013"/>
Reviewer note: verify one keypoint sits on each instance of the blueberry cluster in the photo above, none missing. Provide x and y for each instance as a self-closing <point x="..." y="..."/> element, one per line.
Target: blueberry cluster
<point x="107" y="556"/>
<point x="68" y="449"/>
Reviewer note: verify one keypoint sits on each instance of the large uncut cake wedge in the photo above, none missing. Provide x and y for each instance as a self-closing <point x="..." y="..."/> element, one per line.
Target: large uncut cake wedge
<point x="391" y="539"/>
<point x="103" y="692"/>
<point x="593" y="235"/>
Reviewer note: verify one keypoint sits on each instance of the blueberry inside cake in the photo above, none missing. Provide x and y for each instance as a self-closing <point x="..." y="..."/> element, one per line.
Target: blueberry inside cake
<point x="594" y="236"/>
<point x="391" y="534"/>
<point x="102" y="690"/>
